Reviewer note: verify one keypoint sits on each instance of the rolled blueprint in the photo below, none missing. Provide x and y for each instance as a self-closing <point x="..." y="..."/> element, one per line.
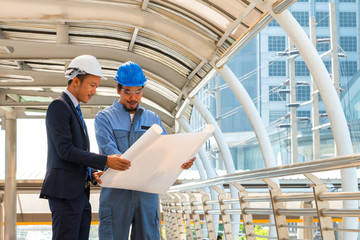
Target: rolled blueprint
<point x="156" y="160"/>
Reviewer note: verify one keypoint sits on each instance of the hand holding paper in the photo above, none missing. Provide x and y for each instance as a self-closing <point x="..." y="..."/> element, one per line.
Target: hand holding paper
<point x="117" y="162"/>
<point x="156" y="160"/>
<point x="188" y="164"/>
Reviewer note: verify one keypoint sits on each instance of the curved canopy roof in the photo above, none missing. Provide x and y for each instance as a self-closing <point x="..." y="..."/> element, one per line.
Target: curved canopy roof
<point x="176" y="42"/>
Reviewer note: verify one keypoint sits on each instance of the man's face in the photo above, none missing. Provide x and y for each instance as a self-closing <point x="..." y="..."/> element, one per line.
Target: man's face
<point x="130" y="97"/>
<point x="85" y="90"/>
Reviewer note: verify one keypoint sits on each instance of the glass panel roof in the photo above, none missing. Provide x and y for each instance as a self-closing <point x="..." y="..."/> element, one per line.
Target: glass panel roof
<point x="175" y="42"/>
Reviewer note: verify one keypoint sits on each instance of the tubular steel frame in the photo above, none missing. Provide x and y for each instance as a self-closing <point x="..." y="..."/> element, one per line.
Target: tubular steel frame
<point x="195" y="205"/>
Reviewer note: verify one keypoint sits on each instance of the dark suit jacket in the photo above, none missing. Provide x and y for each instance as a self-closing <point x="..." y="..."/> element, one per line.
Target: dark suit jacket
<point x="68" y="152"/>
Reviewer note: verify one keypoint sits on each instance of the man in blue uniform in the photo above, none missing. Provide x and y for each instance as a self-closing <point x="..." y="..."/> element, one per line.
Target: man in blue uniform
<point x="66" y="183"/>
<point x="117" y="128"/>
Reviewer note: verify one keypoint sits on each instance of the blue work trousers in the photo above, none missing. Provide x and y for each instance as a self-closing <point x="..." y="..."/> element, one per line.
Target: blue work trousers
<point x="120" y="208"/>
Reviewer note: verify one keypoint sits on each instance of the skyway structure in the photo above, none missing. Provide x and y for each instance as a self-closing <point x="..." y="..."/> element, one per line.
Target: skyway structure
<point x="180" y="44"/>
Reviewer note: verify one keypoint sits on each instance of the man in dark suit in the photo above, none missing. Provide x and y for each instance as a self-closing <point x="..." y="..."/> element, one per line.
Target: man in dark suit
<point x="70" y="165"/>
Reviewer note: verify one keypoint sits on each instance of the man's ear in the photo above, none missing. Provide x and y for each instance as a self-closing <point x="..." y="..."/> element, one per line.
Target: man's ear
<point x="76" y="81"/>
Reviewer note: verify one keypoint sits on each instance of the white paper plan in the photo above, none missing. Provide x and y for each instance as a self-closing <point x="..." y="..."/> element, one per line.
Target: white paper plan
<point x="156" y="160"/>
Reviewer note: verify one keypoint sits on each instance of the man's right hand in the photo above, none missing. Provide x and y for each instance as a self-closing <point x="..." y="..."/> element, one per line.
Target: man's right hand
<point x="116" y="162"/>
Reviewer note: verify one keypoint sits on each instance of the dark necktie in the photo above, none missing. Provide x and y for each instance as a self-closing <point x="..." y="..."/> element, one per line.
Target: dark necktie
<point x="81" y="117"/>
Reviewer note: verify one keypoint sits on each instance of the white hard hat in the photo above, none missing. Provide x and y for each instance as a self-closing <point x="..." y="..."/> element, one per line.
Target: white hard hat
<point x="84" y="64"/>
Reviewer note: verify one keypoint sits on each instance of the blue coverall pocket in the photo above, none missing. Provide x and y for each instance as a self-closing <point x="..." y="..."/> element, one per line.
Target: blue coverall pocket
<point x="122" y="140"/>
<point x="105" y="226"/>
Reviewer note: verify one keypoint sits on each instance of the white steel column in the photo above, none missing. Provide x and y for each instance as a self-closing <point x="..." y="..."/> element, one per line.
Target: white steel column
<point x="252" y="113"/>
<point x="255" y="120"/>
<point x="209" y="169"/>
<point x="331" y="101"/>
<point x="205" y="162"/>
<point x="315" y="99"/>
<point x="224" y="148"/>
<point x="225" y="151"/>
<point x="10" y="176"/>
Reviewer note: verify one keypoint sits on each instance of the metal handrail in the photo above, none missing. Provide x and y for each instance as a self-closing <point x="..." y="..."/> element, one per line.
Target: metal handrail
<point x="226" y="208"/>
<point x="343" y="229"/>
<point x="297" y="212"/>
<point x="335" y="196"/>
<point x="340" y="196"/>
<point x="295" y="197"/>
<point x="321" y="165"/>
<point x="341" y="212"/>
<point x="282" y="211"/>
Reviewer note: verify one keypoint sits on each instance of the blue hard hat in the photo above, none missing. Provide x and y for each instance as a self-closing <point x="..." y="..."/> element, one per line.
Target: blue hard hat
<point x="130" y="74"/>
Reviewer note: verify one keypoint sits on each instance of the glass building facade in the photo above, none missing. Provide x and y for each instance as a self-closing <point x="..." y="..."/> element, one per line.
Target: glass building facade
<point x="262" y="67"/>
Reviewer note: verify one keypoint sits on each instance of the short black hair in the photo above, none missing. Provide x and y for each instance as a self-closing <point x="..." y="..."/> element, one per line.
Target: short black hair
<point x="81" y="77"/>
<point x="119" y="86"/>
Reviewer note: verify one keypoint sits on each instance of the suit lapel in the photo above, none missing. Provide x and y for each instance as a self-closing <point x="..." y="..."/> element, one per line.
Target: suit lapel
<point x="70" y="103"/>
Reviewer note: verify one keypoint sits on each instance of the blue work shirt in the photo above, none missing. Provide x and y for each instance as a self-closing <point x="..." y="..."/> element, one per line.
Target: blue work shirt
<point x="114" y="131"/>
<point x="120" y="208"/>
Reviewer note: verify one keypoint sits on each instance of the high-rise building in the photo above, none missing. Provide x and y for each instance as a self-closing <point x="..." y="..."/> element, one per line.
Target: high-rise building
<point x="262" y="66"/>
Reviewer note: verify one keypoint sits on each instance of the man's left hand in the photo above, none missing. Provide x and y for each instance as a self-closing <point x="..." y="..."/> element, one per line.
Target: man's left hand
<point x="188" y="164"/>
<point x="96" y="176"/>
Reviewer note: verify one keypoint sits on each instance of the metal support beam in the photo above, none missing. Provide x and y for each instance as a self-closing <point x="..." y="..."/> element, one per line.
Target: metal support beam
<point x="226" y="218"/>
<point x="144" y="4"/>
<point x="235" y="24"/>
<point x="166" y="216"/>
<point x="204" y="164"/>
<point x="331" y="101"/>
<point x="252" y="114"/>
<point x="308" y="222"/>
<point x="280" y="220"/>
<point x="22" y="65"/>
<point x="196" y="217"/>
<point x="208" y="217"/>
<point x="254" y="118"/>
<point x="224" y="148"/>
<point x="315" y="99"/>
<point x="173" y="219"/>
<point x="201" y="164"/>
<point x="6" y="49"/>
<point x="10" y="176"/>
<point x="324" y="222"/>
<point x="187" y="218"/>
<point x="179" y="217"/>
<point x="241" y="42"/>
<point x="133" y="39"/>
<point x="247" y="217"/>
<point x="115" y="13"/>
<point x="62" y="34"/>
<point x="196" y="69"/>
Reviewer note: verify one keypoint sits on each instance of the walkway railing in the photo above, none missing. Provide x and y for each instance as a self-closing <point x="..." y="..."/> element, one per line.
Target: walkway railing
<point x="189" y="213"/>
